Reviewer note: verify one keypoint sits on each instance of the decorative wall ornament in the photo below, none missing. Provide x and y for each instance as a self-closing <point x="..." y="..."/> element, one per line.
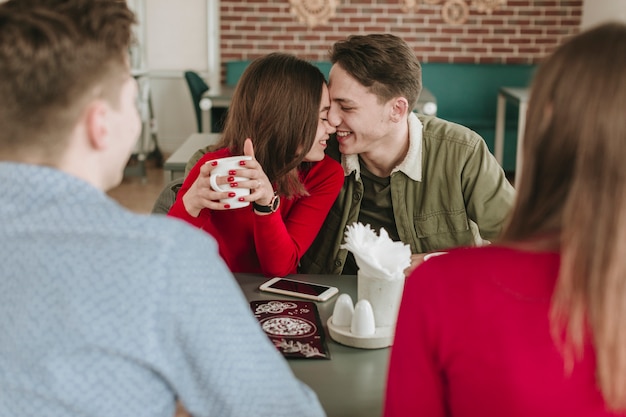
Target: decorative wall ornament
<point x="408" y="5"/>
<point x="488" y="6"/>
<point x="314" y="12"/>
<point x="413" y="4"/>
<point x="456" y="12"/>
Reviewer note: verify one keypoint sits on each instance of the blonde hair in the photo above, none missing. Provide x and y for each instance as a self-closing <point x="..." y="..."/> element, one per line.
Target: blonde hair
<point x="574" y="184"/>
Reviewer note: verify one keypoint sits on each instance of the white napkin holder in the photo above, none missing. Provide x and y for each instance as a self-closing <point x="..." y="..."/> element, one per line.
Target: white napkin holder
<point x="384" y="296"/>
<point x="380" y="282"/>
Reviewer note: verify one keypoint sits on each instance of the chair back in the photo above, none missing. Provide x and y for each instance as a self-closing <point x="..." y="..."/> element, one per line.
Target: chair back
<point x="197" y="87"/>
<point x="167" y="197"/>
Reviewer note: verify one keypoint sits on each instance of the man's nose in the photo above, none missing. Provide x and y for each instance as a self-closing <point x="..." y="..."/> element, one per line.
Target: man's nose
<point x="333" y="115"/>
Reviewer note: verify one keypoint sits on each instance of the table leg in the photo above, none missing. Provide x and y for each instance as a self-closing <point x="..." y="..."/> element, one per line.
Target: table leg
<point x="498" y="147"/>
<point x="206" y="104"/>
<point x="521" y="126"/>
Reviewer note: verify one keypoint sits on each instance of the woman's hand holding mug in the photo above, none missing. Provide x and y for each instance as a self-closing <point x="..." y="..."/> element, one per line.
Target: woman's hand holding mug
<point x="229" y="183"/>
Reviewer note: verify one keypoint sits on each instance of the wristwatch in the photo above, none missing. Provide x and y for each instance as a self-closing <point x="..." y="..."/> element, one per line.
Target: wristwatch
<point x="272" y="207"/>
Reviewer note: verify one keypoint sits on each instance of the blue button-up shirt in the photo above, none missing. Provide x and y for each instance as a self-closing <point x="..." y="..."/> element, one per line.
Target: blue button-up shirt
<point x="104" y="312"/>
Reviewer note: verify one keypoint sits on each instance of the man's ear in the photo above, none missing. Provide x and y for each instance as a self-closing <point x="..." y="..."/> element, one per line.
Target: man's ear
<point x="96" y="117"/>
<point x="399" y="108"/>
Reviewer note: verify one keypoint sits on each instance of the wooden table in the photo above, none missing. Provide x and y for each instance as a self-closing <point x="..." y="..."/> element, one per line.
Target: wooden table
<point x="174" y="166"/>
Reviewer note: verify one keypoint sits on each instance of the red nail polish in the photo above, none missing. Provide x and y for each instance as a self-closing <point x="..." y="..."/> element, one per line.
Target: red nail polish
<point x="213" y="163"/>
<point x="242" y="163"/>
<point x="241" y="199"/>
<point x="231" y="194"/>
<point x="232" y="172"/>
<point x="226" y="205"/>
<point x="233" y="184"/>
<point x="230" y="179"/>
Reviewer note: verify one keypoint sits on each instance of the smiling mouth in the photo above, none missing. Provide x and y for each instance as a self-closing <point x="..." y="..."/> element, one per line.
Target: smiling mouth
<point x="343" y="133"/>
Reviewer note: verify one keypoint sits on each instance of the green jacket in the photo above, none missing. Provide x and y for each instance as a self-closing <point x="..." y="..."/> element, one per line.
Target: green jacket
<point x="448" y="189"/>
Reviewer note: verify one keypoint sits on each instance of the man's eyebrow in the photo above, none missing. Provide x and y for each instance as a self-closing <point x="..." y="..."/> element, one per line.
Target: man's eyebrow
<point x="343" y="100"/>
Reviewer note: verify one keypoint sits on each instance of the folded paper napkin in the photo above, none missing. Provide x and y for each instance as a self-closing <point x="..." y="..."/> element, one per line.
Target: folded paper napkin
<point x="377" y="255"/>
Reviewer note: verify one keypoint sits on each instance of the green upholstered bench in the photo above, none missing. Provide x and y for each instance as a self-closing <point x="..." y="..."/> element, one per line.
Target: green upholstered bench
<point x="467" y="94"/>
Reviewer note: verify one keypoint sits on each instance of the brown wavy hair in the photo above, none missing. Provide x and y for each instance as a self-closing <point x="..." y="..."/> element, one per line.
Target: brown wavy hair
<point x="276" y="104"/>
<point x="55" y="55"/>
<point x="574" y="184"/>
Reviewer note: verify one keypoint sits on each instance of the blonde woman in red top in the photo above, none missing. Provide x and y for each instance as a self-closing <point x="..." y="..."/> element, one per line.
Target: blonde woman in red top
<point x="535" y="325"/>
<point x="278" y="115"/>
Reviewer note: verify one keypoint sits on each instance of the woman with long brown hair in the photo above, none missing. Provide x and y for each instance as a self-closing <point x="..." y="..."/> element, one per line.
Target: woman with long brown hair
<point x="535" y="325"/>
<point x="278" y="115"/>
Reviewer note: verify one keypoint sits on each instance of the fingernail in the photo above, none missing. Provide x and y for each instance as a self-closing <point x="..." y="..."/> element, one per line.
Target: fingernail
<point x="226" y="205"/>
<point x="231" y="194"/>
<point x="243" y="163"/>
<point x="213" y="163"/>
<point x="232" y="172"/>
<point x="241" y="198"/>
<point x="229" y="179"/>
<point x="233" y="184"/>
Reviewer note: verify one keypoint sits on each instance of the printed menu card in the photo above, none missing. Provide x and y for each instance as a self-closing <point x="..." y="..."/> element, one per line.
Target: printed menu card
<point x="294" y="327"/>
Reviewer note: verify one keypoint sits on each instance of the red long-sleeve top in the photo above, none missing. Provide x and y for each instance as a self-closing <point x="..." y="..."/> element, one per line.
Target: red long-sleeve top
<point x="270" y="244"/>
<point x="473" y="339"/>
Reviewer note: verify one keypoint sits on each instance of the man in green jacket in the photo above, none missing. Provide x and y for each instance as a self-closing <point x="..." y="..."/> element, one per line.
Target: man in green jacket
<point x="430" y="183"/>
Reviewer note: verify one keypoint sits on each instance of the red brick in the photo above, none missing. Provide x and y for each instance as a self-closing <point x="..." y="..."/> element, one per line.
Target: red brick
<point x="360" y="19"/>
<point x="449" y="49"/>
<point x="494" y="41"/>
<point x="502" y="50"/>
<point x="490" y="60"/>
<point x="478" y="31"/>
<point x="477" y="50"/>
<point x="529" y="50"/>
<point x="520" y="41"/>
<point x="531" y="31"/>
<point x="374" y="29"/>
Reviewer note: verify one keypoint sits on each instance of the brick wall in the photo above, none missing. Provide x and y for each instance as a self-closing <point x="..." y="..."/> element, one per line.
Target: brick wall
<point x="520" y="32"/>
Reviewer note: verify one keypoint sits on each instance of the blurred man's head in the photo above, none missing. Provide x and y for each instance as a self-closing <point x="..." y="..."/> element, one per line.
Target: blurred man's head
<point x="64" y="73"/>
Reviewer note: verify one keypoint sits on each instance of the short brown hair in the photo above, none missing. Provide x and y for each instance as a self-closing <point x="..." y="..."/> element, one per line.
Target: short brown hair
<point x="276" y="103"/>
<point x="382" y="62"/>
<point x="54" y="55"/>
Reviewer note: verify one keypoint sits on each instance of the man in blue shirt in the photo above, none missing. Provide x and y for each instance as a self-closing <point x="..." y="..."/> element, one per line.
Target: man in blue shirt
<point x="104" y="312"/>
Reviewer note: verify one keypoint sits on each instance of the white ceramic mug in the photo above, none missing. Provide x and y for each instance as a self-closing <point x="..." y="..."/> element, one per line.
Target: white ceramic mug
<point x="220" y="170"/>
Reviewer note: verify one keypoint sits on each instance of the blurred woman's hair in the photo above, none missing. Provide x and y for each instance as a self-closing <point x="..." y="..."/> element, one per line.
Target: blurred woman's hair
<point x="574" y="185"/>
<point x="276" y="104"/>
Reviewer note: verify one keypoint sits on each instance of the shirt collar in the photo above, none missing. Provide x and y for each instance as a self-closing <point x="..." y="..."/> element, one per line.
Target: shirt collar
<point x="412" y="163"/>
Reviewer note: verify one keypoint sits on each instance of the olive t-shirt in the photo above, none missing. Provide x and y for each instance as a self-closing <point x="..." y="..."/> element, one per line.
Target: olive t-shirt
<point x="376" y="210"/>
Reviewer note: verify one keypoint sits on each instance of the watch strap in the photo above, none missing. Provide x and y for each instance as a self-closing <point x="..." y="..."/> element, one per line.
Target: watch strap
<point x="270" y="208"/>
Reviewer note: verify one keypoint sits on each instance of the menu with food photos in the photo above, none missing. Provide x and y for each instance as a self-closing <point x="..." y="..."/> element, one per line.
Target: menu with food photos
<point x="294" y="327"/>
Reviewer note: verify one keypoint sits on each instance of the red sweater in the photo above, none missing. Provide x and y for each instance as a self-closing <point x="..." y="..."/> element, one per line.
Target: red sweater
<point x="272" y="244"/>
<point x="473" y="340"/>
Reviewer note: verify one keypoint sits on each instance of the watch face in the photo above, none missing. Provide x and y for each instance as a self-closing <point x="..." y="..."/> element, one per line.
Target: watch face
<point x="275" y="202"/>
